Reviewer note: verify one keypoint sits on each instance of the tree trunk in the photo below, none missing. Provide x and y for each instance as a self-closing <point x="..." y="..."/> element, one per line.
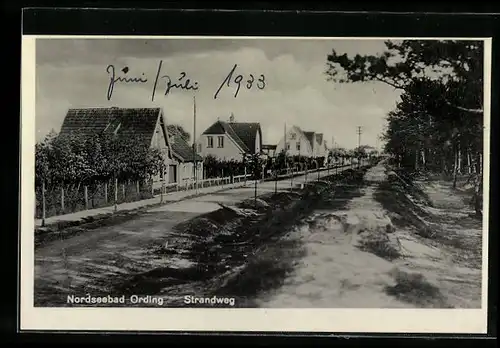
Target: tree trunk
<point x="43" y="204"/>
<point x="116" y="193"/>
<point x="424" y="164"/>
<point x="62" y="199"/>
<point x="478" y="204"/>
<point x="469" y="162"/>
<point x="86" y="197"/>
<point x="481" y="164"/>
<point x="478" y="163"/>
<point x="455" y="168"/>
<point x="459" y="159"/>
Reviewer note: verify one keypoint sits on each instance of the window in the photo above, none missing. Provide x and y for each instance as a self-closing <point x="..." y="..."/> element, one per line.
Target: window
<point x="288" y="146"/>
<point x="298" y="146"/>
<point x="293" y="136"/>
<point x="220" y="141"/>
<point x="199" y="148"/>
<point x="210" y="142"/>
<point x="158" y="139"/>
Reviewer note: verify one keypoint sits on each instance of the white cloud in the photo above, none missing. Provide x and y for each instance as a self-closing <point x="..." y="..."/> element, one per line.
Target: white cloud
<point x="296" y="93"/>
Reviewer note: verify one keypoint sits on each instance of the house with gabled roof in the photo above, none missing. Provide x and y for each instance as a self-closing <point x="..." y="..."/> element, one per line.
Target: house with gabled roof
<point x="149" y="125"/>
<point x="230" y="140"/>
<point x="297" y="142"/>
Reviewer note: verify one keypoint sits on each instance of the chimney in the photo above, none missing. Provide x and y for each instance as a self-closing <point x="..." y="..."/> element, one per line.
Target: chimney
<point x="231" y="118"/>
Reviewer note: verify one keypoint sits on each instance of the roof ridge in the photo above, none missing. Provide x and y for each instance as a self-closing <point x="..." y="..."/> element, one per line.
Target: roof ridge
<point x="235" y="136"/>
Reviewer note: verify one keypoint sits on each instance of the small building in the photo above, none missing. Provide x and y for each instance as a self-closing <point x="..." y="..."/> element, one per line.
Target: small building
<point x="230" y="140"/>
<point x="149" y="125"/>
<point x="296" y="142"/>
<point x="269" y="150"/>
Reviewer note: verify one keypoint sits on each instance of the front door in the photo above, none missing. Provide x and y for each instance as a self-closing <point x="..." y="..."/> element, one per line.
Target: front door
<point x="172" y="173"/>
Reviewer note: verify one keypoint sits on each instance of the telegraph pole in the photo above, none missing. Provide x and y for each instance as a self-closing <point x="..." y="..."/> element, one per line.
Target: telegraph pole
<point x="359" y="131"/>
<point x="195" y="171"/>
<point x="284" y="137"/>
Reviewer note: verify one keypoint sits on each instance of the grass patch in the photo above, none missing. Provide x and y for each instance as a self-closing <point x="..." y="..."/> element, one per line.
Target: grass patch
<point x="379" y="243"/>
<point x="413" y="288"/>
<point x="392" y="195"/>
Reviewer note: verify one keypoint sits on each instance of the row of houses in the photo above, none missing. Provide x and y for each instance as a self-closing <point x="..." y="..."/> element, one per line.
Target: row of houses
<point x="231" y="140"/>
<point x="225" y="140"/>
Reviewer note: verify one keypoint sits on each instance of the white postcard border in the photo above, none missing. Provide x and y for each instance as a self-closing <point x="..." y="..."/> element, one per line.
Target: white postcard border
<point x="192" y="319"/>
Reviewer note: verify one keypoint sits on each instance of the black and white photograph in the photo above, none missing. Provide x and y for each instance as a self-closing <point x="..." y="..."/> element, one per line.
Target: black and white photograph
<point x="232" y="173"/>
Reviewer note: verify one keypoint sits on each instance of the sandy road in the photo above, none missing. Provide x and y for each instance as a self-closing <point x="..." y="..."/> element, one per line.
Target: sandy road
<point x="84" y="261"/>
<point x="321" y="264"/>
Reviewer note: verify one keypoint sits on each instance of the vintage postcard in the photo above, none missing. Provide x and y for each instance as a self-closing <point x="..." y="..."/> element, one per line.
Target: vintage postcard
<point x="322" y="184"/>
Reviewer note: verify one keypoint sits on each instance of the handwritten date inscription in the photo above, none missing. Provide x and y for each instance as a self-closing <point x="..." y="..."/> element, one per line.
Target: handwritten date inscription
<point x="183" y="82"/>
<point x="249" y="81"/>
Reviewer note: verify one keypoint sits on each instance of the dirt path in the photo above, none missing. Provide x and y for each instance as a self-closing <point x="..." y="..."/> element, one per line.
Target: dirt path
<point x="333" y="262"/>
<point x="97" y="260"/>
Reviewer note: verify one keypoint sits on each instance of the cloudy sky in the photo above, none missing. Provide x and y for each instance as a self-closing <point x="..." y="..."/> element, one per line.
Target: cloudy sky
<point x="72" y="73"/>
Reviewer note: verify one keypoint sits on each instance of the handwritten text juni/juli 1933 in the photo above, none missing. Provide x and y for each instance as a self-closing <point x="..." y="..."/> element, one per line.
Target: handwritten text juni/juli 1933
<point x="183" y="82"/>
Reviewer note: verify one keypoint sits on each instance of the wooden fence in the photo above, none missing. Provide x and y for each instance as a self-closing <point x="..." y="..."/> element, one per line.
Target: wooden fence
<point x="54" y="201"/>
<point x="60" y="200"/>
<point x="57" y="200"/>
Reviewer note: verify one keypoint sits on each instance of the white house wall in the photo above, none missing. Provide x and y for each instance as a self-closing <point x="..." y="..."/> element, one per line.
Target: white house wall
<point x="257" y="143"/>
<point x="305" y="147"/>
<point x="159" y="142"/>
<point x="230" y="151"/>
<point x="185" y="172"/>
<point x="320" y="150"/>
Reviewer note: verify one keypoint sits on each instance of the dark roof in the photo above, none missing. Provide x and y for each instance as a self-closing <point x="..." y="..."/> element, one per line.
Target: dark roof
<point x="140" y="122"/>
<point x="243" y="133"/>
<point x="127" y="122"/>
<point x="216" y="128"/>
<point x="247" y="132"/>
<point x="180" y="147"/>
<point x="310" y="138"/>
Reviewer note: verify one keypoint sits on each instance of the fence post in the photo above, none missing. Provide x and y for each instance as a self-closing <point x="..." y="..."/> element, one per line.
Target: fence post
<point x="137" y="186"/>
<point x="106" y="192"/>
<point x="222" y="179"/>
<point x="275" y="181"/>
<point x="43" y="203"/>
<point x="163" y="188"/>
<point x="86" y="196"/>
<point x="245" y="176"/>
<point x="255" y="193"/>
<point x="62" y="198"/>
<point x="123" y="191"/>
